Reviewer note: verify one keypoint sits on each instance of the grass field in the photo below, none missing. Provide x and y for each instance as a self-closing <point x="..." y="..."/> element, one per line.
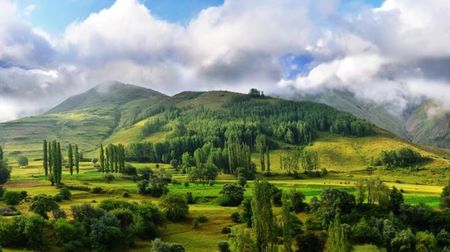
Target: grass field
<point x="31" y="179"/>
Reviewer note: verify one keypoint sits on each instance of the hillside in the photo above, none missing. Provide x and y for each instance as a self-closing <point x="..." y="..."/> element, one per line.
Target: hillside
<point x="119" y="113"/>
<point x="86" y="119"/>
<point x="419" y="124"/>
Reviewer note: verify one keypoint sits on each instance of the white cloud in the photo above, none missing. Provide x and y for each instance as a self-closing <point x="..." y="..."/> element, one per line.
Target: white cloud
<point x="391" y="55"/>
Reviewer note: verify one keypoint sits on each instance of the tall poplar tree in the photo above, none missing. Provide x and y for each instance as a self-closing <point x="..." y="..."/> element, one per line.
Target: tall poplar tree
<point x="1" y="153"/>
<point x="50" y="158"/>
<point x="45" y="158"/>
<point x="107" y="159"/>
<point x="77" y="159"/>
<point x="268" y="159"/>
<point x="102" y="159"/>
<point x="263" y="220"/>
<point x="70" y="159"/>
<point x="337" y="238"/>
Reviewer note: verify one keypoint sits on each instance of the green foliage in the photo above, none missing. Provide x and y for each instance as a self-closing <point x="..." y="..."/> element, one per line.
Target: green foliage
<point x="241" y="240"/>
<point x="5" y="172"/>
<point x="297" y="200"/>
<point x="149" y="221"/>
<point x="337" y="237"/>
<point x="363" y="233"/>
<point x="445" y="196"/>
<point x="247" y="212"/>
<point x="70" y="235"/>
<point x="174" y="207"/>
<point x="22" y="161"/>
<point x="399" y="158"/>
<point x="14" y="197"/>
<point x="24" y="231"/>
<point x="396" y="200"/>
<point x="404" y="241"/>
<point x="65" y="193"/>
<point x="425" y="241"/>
<point x="41" y="204"/>
<point x="160" y="246"/>
<point x="263" y="220"/>
<point x="224" y="246"/>
<point x="311" y="241"/>
<point x="232" y="195"/>
<point x="112" y="204"/>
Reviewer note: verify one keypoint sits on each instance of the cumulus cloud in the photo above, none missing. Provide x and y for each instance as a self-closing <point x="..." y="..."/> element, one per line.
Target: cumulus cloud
<point x="392" y="55"/>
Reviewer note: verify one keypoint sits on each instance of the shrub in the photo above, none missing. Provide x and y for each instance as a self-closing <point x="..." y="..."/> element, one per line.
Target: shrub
<point x="22" y="161"/>
<point x="24" y="231"/>
<point x="57" y="198"/>
<point x="312" y="242"/>
<point x="71" y="236"/>
<point x="5" y="172"/>
<point x="97" y="190"/>
<point x="226" y="230"/>
<point x="106" y="234"/>
<point x="224" y="246"/>
<point x="236" y="217"/>
<point x="174" y="206"/>
<point x="232" y="195"/>
<point x="129" y="170"/>
<point x="85" y="213"/>
<point x="149" y="221"/>
<point x="297" y="199"/>
<point x="2" y="191"/>
<point x="109" y="178"/>
<point x="160" y="246"/>
<point x="190" y="198"/>
<point x="126" y="194"/>
<point x="58" y="213"/>
<point x="111" y="204"/>
<point x="202" y="219"/>
<point x="195" y="224"/>
<point x="65" y="193"/>
<point x="13" y="197"/>
<point x="41" y="204"/>
<point x="78" y="188"/>
<point x="362" y="233"/>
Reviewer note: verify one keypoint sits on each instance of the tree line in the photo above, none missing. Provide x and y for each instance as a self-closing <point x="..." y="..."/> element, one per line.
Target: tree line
<point x="53" y="160"/>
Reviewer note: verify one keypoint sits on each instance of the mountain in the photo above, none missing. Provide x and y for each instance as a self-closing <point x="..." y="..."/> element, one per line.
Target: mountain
<point x="120" y="113"/>
<point x="418" y="124"/>
<point x="87" y="118"/>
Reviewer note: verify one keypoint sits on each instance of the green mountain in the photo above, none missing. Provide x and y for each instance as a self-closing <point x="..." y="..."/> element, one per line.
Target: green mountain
<point x="416" y="125"/>
<point x="119" y="113"/>
<point x="86" y="119"/>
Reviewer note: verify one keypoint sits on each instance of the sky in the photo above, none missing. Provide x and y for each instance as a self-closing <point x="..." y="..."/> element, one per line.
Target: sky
<point x="393" y="53"/>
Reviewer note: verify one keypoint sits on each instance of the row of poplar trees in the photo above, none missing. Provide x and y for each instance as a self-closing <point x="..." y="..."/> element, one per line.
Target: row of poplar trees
<point x="53" y="160"/>
<point x="112" y="158"/>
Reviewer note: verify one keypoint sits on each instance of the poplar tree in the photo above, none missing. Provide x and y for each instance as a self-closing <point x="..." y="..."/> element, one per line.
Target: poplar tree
<point x="70" y="159"/>
<point x="337" y="238"/>
<point x="1" y="153"/>
<point x="102" y="159"/>
<point x="263" y="220"/>
<point x="45" y="158"/>
<point x="268" y="159"/>
<point x="50" y="158"/>
<point x="261" y="147"/>
<point x="107" y="159"/>
<point x="77" y="159"/>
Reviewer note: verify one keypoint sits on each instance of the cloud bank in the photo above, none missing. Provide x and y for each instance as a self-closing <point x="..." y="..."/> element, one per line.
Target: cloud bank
<point x="393" y="55"/>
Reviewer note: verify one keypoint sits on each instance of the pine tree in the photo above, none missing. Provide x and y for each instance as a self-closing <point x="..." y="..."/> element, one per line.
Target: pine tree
<point x="70" y="159"/>
<point x="102" y="159"/>
<point x="45" y="158"/>
<point x="263" y="220"/>
<point x="77" y="159"/>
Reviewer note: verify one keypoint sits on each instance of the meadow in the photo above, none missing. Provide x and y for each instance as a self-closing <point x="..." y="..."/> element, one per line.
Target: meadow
<point x="31" y="179"/>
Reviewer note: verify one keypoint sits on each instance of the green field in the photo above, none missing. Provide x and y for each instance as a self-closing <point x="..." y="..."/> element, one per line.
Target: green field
<point x="209" y="234"/>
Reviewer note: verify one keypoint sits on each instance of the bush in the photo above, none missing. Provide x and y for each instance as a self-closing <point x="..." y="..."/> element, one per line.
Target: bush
<point x="109" y="178"/>
<point x="41" y="204"/>
<point x="311" y="242"/>
<point x="224" y="246"/>
<point x="160" y="246"/>
<point x="97" y="190"/>
<point x="149" y="221"/>
<point x="190" y="198"/>
<point x="232" y="195"/>
<point x="22" y="161"/>
<point x="112" y="204"/>
<point x="363" y="233"/>
<point x="2" y="191"/>
<point x="65" y="193"/>
<point x="236" y="217"/>
<point x="202" y="219"/>
<point x="58" y="198"/>
<point x="129" y="170"/>
<point x="226" y="230"/>
<point x="78" y="188"/>
<point x="174" y="207"/>
<point x="126" y="194"/>
<point x="71" y="236"/>
<point x="24" y="231"/>
<point x="106" y="234"/>
<point x="58" y="213"/>
<point x="195" y="224"/>
<point x="13" y="197"/>
<point x="5" y="172"/>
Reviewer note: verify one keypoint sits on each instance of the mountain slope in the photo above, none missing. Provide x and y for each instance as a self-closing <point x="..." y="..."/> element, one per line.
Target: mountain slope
<point x="417" y="124"/>
<point x="86" y="119"/>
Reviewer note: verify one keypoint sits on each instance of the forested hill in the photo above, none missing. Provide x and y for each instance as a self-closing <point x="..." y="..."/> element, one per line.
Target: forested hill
<point x="120" y="113"/>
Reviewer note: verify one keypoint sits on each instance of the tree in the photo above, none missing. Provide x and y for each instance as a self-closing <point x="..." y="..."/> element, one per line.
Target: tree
<point x="242" y="241"/>
<point x="396" y="200"/>
<point x="70" y="159"/>
<point x="174" y="206"/>
<point x="14" y="197"/>
<point x="247" y="212"/>
<point x="289" y="223"/>
<point x="360" y="191"/>
<point x="337" y="237"/>
<point x="425" y="241"/>
<point x="261" y="143"/>
<point x="45" y="158"/>
<point x="102" y="159"/>
<point x="22" y="161"/>
<point x="232" y="195"/>
<point x="404" y="241"/>
<point x="5" y="172"/>
<point x="1" y="153"/>
<point x="41" y="204"/>
<point x="77" y="159"/>
<point x="263" y="220"/>
<point x="445" y="196"/>
<point x="297" y="200"/>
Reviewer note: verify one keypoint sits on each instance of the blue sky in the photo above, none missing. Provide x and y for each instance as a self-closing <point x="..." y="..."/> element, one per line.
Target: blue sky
<point x="54" y="16"/>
